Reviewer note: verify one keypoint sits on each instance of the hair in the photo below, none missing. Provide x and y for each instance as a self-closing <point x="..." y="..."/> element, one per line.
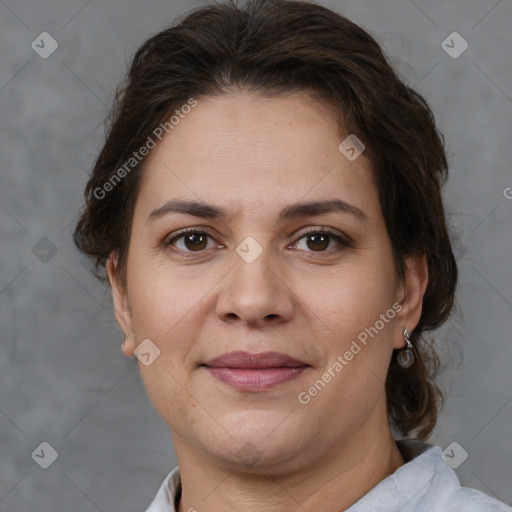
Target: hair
<point x="278" y="47"/>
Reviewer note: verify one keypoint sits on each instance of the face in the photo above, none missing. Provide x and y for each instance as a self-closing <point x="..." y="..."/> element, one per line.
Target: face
<point x="258" y="273"/>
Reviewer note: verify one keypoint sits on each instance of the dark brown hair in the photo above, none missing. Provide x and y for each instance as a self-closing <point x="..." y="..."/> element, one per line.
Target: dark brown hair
<point x="279" y="47"/>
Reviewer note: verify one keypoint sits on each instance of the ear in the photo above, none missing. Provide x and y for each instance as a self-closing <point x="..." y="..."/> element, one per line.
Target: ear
<point x="123" y="314"/>
<point x="414" y="286"/>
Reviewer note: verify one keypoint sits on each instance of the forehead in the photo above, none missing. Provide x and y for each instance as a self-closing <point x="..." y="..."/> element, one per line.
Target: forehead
<point x="251" y="152"/>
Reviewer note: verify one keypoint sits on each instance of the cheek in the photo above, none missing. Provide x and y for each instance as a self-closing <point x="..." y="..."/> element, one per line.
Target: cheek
<point x="353" y="295"/>
<point x="349" y="311"/>
<point x="158" y="297"/>
<point x="161" y="311"/>
<point x="164" y="387"/>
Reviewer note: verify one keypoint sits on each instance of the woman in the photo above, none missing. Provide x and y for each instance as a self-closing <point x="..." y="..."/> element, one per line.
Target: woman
<point x="267" y="208"/>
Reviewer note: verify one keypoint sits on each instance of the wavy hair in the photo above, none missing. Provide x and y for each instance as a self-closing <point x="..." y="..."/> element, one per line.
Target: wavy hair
<point x="274" y="47"/>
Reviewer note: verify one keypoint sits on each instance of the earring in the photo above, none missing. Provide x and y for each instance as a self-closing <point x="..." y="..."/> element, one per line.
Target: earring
<point x="123" y="343"/>
<point x="405" y="356"/>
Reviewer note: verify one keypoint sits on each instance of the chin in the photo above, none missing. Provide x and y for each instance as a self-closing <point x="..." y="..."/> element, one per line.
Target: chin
<point x="263" y="440"/>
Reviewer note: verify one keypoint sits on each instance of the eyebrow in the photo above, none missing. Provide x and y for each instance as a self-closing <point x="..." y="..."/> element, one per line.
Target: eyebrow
<point x="293" y="211"/>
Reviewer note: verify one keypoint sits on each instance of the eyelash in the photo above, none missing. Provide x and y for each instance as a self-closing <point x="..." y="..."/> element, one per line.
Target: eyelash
<point x="343" y="241"/>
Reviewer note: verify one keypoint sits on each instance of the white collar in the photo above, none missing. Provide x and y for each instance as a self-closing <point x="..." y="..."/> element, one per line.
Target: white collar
<point x="423" y="484"/>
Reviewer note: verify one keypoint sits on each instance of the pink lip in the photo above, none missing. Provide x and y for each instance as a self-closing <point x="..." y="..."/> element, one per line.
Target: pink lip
<point x="254" y="372"/>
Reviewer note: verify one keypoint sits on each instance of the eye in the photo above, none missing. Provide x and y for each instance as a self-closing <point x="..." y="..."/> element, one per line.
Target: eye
<point x="319" y="240"/>
<point x="193" y="240"/>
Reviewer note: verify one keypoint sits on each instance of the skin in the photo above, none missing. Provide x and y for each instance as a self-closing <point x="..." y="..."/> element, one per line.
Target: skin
<point x="253" y="156"/>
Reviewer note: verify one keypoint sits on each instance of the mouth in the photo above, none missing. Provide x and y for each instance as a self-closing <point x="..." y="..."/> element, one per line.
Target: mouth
<point x="247" y="371"/>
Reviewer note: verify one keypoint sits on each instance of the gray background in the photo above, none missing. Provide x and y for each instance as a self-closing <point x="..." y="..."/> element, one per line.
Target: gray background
<point x="63" y="379"/>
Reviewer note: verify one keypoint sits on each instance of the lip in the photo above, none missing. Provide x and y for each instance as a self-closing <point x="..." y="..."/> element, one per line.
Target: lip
<point x="248" y="360"/>
<point x="247" y="371"/>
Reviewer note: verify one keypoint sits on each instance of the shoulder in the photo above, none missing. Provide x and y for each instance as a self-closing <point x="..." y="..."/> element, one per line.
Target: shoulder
<point x="472" y="500"/>
<point x="164" y="499"/>
<point x="435" y="485"/>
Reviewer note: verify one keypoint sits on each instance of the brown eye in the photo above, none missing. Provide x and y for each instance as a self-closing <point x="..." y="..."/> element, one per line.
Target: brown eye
<point x="195" y="241"/>
<point x="192" y="241"/>
<point x="319" y="241"/>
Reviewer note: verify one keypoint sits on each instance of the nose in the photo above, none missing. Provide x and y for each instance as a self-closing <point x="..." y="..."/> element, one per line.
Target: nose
<point x="255" y="294"/>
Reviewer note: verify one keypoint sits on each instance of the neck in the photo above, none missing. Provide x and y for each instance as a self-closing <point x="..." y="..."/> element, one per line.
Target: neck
<point x="332" y="484"/>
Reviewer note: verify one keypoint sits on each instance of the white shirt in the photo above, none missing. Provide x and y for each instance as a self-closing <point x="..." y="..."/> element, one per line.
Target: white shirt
<point x="425" y="483"/>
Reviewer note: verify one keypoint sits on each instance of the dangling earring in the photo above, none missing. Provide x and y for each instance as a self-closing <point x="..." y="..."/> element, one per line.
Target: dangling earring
<point x="405" y="356"/>
<point x="126" y="338"/>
